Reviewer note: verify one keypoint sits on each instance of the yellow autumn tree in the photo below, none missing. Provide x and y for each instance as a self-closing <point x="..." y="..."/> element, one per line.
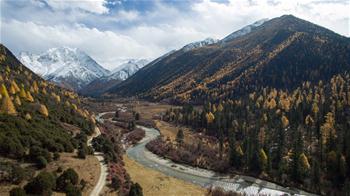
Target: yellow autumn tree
<point x="18" y="101"/>
<point x="315" y="109"/>
<point x="28" y="117"/>
<point x="43" y="110"/>
<point x="22" y="93"/>
<point x="7" y="106"/>
<point x="35" y="87"/>
<point x="29" y="97"/>
<point x="15" y="86"/>
<point x="262" y="159"/>
<point x="220" y="107"/>
<point x="285" y="121"/>
<point x="210" y="117"/>
<point x="309" y="121"/>
<point x="12" y="90"/>
<point x="304" y="162"/>
<point x="3" y="91"/>
<point x="328" y="127"/>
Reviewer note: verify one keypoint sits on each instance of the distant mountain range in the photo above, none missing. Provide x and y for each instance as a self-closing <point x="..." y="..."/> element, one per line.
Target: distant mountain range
<point x="74" y="69"/>
<point x="282" y="52"/>
<point x="126" y="69"/>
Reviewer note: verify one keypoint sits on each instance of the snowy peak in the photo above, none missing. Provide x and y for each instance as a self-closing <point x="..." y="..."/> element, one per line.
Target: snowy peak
<point x="127" y="68"/>
<point x="69" y="67"/>
<point x="198" y="44"/>
<point x="245" y="30"/>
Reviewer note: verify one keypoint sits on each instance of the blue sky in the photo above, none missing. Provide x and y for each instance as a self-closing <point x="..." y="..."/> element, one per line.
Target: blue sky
<point x="111" y="30"/>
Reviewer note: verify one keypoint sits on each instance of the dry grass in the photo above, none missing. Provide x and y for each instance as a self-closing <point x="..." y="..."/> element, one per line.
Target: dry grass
<point x="149" y="110"/>
<point x="156" y="183"/>
<point x="169" y="130"/>
<point x="88" y="169"/>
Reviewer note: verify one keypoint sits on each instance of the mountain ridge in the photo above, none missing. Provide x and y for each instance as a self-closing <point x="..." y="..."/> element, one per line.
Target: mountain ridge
<point x="240" y="62"/>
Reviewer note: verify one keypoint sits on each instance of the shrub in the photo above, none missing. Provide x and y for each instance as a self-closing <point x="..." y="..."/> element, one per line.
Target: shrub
<point x="68" y="177"/>
<point x="135" y="190"/>
<point x="115" y="183"/>
<point x="59" y="169"/>
<point x="41" y="162"/>
<point x="72" y="190"/>
<point x="43" y="184"/>
<point x="17" y="191"/>
<point x="56" y="156"/>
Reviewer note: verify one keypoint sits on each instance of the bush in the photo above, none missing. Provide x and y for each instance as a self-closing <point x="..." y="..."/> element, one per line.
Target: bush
<point x="72" y="190"/>
<point x="115" y="183"/>
<point x="17" y="174"/>
<point x="59" y="169"/>
<point x="82" y="153"/>
<point x="56" y="156"/>
<point x="17" y="192"/>
<point x="43" y="184"/>
<point x="135" y="190"/>
<point x="68" y="177"/>
<point x="41" y="162"/>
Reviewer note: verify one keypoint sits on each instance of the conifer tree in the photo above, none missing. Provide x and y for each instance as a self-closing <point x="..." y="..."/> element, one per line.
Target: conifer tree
<point x="3" y="91"/>
<point x="18" y="101"/>
<point x="23" y="93"/>
<point x="7" y="106"/>
<point x="262" y="160"/>
<point x="43" y="110"/>
<point x="29" y="97"/>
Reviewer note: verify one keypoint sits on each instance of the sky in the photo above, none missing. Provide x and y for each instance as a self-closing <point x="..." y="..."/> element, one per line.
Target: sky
<point x="112" y="30"/>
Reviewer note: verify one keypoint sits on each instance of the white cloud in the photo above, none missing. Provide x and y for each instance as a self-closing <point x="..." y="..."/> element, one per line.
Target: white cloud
<point x="105" y="47"/>
<point x="131" y="33"/>
<point x="94" y="6"/>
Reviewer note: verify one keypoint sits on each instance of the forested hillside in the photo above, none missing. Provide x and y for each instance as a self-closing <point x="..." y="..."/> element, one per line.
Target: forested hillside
<point x="298" y="138"/>
<point x="34" y="116"/>
<point x="281" y="53"/>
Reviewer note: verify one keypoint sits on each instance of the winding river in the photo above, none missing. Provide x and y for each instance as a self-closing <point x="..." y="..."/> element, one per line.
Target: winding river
<point x="205" y="178"/>
<point x="202" y="177"/>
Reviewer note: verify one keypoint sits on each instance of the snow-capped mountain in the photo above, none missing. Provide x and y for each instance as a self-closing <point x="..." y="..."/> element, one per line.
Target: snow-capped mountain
<point x="124" y="70"/>
<point x="69" y="67"/>
<point x="198" y="44"/>
<point x="127" y="68"/>
<point x="245" y="30"/>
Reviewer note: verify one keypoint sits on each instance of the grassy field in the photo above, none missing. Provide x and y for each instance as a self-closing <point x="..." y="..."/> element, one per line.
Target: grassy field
<point x="156" y="183"/>
<point x="88" y="169"/>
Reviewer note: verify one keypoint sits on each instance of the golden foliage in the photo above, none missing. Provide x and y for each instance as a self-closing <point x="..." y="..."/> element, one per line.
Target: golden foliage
<point x="29" y="97"/>
<point x="7" y="106"/>
<point x="220" y="107"/>
<point x="327" y="129"/>
<point x="285" y="121"/>
<point x="239" y="150"/>
<point x="23" y="93"/>
<point x="3" y="91"/>
<point x="210" y="117"/>
<point x="315" y="109"/>
<point x="35" y="87"/>
<point x="18" y="101"/>
<point x="28" y="117"/>
<point x="309" y="121"/>
<point x="263" y="158"/>
<point x="304" y="162"/>
<point x="43" y="110"/>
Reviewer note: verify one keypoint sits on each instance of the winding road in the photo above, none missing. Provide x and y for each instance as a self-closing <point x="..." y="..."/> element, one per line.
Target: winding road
<point x="205" y="178"/>
<point x="103" y="174"/>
